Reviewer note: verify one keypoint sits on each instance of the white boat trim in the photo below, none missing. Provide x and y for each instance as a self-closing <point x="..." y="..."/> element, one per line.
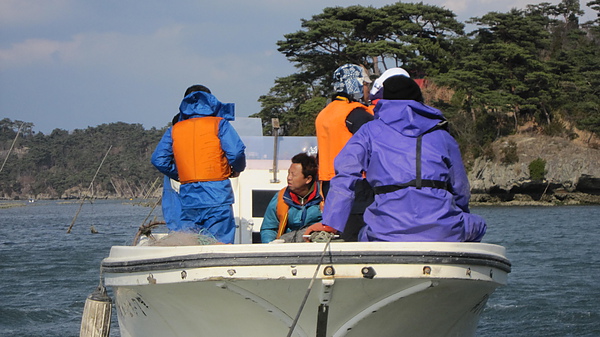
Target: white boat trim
<point x="383" y="276"/>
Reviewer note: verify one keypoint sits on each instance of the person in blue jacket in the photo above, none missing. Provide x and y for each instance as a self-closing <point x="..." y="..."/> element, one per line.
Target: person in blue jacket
<point x="202" y="151"/>
<point x="416" y="170"/>
<point x="170" y="202"/>
<point x="296" y="206"/>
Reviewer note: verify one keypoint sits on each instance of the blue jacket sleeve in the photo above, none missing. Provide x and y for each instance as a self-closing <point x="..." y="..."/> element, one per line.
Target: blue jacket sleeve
<point x="233" y="146"/>
<point x="270" y="224"/>
<point x="349" y="165"/>
<point x="163" y="158"/>
<point x="459" y="181"/>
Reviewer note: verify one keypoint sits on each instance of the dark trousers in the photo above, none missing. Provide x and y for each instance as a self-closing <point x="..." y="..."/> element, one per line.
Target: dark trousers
<point x="363" y="197"/>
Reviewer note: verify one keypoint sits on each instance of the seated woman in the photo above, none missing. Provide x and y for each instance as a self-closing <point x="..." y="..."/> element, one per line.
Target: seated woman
<point x="296" y="206"/>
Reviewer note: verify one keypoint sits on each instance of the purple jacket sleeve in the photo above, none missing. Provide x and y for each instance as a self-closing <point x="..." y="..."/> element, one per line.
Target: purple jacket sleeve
<point x="349" y="165"/>
<point x="458" y="176"/>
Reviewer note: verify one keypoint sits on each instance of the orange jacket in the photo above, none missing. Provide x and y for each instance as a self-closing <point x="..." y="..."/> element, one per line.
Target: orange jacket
<point x="333" y="134"/>
<point x="197" y="150"/>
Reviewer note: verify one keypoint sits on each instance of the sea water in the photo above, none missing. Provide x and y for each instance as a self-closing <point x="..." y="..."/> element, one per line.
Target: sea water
<point x="46" y="273"/>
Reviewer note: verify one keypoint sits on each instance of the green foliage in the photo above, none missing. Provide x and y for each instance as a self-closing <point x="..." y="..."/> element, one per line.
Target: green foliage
<point x="406" y="33"/>
<point x="536" y="67"/>
<point x="555" y="128"/>
<point x="416" y="36"/>
<point x="289" y="101"/>
<point x="304" y="125"/>
<point x="9" y="130"/>
<point x="52" y="164"/>
<point x="537" y="169"/>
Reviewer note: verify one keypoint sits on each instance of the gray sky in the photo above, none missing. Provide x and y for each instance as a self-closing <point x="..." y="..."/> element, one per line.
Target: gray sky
<point x="70" y="64"/>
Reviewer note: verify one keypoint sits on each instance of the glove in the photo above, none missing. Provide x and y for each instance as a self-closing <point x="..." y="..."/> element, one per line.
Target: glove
<point x="317" y="227"/>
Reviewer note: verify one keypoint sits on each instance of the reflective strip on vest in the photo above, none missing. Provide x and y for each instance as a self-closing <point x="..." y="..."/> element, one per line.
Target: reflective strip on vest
<point x="333" y="134"/>
<point x="197" y="150"/>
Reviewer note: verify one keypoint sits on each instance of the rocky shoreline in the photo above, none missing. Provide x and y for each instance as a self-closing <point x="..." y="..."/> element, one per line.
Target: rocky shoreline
<point x="571" y="173"/>
<point x="559" y="199"/>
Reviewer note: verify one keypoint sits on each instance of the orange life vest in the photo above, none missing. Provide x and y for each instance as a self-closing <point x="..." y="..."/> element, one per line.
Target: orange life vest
<point x="282" y="213"/>
<point x="333" y="134"/>
<point x="197" y="150"/>
<point x="283" y="209"/>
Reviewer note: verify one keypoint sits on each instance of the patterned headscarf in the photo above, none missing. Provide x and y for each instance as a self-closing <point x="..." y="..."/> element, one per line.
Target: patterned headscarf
<point x="349" y="78"/>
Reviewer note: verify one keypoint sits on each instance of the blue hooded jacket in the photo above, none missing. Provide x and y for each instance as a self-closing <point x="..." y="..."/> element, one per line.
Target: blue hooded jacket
<point x="386" y="150"/>
<point x="208" y="193"/>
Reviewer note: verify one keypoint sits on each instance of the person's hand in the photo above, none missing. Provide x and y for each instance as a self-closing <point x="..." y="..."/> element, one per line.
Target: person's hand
<point x="234" y="174"/>
<point x="317" y="227"/>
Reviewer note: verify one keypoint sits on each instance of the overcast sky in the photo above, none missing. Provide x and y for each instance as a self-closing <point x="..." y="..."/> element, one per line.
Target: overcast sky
<point x="70" y="64"/>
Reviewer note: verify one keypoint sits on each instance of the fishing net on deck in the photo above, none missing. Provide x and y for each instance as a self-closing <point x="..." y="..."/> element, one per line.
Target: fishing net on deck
<point x="185" y="239"/>
<point x="298" y="236"/>
<point x="145" y="237"/>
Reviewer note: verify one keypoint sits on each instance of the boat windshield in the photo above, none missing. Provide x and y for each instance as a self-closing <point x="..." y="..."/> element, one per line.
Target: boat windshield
<point x="259" y="147"/>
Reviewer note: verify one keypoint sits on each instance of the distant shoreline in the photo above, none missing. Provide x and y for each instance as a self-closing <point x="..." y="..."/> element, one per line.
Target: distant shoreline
<point x="477" y="199"/>
<point x="557" y="199"/>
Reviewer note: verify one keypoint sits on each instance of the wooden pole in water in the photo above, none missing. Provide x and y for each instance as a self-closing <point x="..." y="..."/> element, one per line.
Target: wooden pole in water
<point x="11" y="147"/>
<point x="95" y="321"/>
<point x="89" y="188"/>
<point x="151" y="189"/>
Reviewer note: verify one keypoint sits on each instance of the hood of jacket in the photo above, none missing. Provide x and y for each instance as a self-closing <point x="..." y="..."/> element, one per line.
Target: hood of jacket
<point x="202" y="104"/>
<point x="410" y="118"/>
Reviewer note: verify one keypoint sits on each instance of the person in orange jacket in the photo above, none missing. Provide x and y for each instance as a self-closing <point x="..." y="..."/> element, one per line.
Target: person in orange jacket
<point x="335" y="125"/>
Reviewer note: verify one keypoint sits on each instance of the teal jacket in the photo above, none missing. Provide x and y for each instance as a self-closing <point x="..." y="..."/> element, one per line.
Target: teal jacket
<point x="298" y="215"/>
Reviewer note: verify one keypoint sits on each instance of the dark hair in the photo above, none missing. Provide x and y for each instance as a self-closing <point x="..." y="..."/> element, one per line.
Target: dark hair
<point x="400" y="87"/>
<point x="175" y="119"/>
<point x="196" y="87"/>
<point x="309" y="164"/>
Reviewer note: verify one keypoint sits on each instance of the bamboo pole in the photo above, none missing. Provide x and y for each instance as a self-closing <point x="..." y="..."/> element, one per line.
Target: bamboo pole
<point x="89" y="188"/>
<point x="119" y="194"/>
<point x="151" y="189"/>
<point x="11" y="147"/>
<point x="131" y="193"/>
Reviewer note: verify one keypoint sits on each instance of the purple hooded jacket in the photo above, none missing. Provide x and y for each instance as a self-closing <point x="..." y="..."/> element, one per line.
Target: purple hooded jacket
<point x="386" y="149"/>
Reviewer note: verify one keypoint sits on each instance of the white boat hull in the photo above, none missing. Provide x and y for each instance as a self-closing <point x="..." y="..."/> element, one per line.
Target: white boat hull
<point x="360" y="289"/>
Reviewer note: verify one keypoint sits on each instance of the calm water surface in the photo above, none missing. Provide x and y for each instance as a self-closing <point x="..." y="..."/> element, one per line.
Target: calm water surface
<point x="46" y="274"/>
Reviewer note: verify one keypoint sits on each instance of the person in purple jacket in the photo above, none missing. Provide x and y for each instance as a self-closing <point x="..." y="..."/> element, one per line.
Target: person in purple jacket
<point x="415" y="167"/>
